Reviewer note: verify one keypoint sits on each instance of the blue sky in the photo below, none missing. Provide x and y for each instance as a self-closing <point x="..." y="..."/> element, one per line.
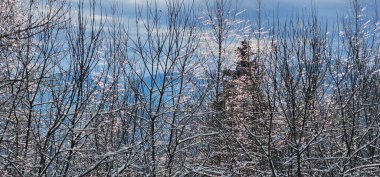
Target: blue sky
<point x="326" y="8"/>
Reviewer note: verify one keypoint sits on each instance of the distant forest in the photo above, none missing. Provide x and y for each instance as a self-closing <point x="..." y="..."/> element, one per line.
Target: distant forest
<point x="187" y="88"/>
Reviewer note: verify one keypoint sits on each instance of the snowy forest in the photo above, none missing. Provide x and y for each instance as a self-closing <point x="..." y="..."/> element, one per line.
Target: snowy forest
<point x="188" y="88"/>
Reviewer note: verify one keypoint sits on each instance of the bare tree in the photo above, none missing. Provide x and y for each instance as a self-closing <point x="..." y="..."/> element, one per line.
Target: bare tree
<point x="163" y="62"/>
<point x="85" y="93"/>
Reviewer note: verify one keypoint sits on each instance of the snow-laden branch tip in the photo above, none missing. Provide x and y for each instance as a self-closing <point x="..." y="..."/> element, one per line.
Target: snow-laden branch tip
<point x="197" y="136"/>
